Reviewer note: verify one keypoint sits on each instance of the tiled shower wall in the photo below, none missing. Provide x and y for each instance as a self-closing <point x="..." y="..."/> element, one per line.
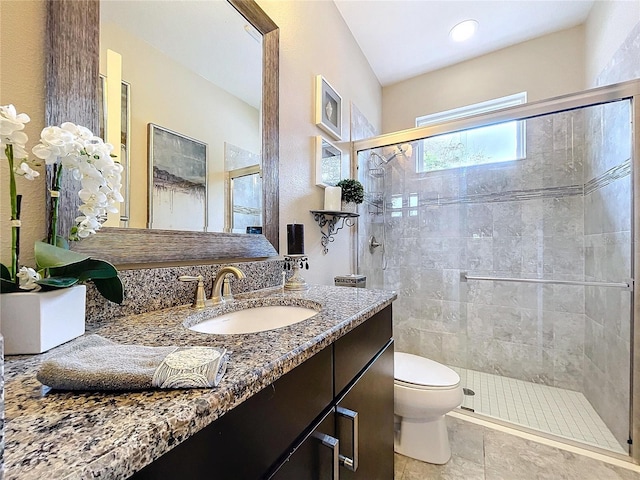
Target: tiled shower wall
<point x="607" y="239"/>
<point x="516" y="219"/>
<point x="563" y="213"/>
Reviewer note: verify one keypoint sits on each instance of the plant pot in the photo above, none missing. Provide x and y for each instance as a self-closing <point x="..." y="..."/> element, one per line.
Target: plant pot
<point x="34" y="322"/>
<point x="350" y="207"/>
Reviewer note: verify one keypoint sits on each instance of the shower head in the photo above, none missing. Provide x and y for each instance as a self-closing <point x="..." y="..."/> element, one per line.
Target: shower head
<point x="404" y="150"/>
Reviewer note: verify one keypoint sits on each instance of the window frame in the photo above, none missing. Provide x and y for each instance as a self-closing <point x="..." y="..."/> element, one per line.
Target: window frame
<point x="468" y="111"/>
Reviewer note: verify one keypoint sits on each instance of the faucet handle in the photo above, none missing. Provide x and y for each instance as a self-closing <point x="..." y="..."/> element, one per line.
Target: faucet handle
<point x="200" y="298"/>
<point x="227" y="296"/>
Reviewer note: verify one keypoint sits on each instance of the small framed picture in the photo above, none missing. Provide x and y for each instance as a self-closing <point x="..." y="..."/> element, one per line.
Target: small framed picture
<point x="177" y="181"/>
<point x="328" y="163"/>
<point x="328" y="108"/>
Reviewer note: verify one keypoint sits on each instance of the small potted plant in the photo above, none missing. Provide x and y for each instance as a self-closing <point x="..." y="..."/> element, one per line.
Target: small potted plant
<point x="44" y="306"/>
<point x="352" y="194"/>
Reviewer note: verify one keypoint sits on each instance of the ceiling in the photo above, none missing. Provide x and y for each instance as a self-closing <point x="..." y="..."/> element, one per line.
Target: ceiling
<point x="405" y="38"/>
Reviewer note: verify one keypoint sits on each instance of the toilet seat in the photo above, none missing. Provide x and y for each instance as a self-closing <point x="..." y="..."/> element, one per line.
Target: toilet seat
<point x="413" y="371"/>
<point x="415" y="386"/>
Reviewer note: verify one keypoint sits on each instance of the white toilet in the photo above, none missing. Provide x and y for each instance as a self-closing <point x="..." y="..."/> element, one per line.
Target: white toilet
<point x="424" y="391"/>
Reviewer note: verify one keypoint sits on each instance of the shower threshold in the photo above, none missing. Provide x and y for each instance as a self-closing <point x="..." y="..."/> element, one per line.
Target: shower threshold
<point x="553" y="410"/>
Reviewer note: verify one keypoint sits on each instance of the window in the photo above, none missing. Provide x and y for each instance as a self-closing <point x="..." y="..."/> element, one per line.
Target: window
<point x="502" y="142"/>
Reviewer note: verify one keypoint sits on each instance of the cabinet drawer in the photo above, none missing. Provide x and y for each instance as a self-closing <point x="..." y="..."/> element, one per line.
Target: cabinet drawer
<point x="355" y="350"/>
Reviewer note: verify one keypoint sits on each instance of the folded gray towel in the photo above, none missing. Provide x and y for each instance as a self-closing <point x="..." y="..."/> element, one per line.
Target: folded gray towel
<point x="94" y="363"/>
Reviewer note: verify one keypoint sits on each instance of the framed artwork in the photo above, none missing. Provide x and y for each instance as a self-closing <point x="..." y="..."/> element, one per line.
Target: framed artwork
<point x="177" y="181"/>
<point x="328" y="108"/>
<point x="328" y="163"/>
<point x="125" y="141"/>
<point x="125" y="146"/>
<point x="102" y="107"/>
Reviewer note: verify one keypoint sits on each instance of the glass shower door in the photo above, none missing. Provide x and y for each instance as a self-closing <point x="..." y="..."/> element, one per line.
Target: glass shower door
<point x="511" y="264"/>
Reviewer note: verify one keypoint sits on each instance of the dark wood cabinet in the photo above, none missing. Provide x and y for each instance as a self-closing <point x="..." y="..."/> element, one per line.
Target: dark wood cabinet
<point x="301" y="427"/>
<point x="317" y="457"/>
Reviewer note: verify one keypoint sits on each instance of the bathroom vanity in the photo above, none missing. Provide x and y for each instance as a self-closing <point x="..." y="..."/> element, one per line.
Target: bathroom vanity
<point x="311" y="400"/>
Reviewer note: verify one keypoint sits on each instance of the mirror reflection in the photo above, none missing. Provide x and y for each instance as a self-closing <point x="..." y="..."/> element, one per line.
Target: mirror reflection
<point x="328" y="163"/>
<point x="205" y="89"/>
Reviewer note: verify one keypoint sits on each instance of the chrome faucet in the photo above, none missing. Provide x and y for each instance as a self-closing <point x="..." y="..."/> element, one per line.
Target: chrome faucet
<point x="221" y="288"/>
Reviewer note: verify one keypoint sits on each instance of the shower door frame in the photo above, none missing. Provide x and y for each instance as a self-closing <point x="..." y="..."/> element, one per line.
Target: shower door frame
<point x="629" y="90"/>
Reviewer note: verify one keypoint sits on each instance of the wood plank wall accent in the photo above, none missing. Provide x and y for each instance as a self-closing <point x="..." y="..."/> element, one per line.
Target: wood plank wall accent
<point x="270" y="113"/>
<point x="130" y="247"/>
<point x="72" y="86"/>
<point x="73" y="45"/>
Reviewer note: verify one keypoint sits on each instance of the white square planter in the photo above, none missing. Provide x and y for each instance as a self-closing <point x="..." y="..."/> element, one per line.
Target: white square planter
<point x="34" y="322"/>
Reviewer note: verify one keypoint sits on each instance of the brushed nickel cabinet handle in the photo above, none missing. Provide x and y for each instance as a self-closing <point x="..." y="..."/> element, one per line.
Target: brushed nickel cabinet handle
<point x="334" y="445"/>
<point x="350" y="463"/>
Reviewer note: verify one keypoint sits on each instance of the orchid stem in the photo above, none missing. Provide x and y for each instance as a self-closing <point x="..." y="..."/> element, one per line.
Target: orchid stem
<point x="57" y="173"/>
<point x="15" y="236"/>
<point x="15" y="214"/>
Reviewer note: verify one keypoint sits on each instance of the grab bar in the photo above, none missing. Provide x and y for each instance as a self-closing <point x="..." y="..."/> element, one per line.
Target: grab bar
<point x="627" y="285"/>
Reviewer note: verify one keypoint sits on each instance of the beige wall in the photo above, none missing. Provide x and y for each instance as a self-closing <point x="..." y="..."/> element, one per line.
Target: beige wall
<point x="315" y="40"/>
<point x="167" y="94"/>
<point x="544" y="67"/>
<point x="607" y="27"/>
<point x="22" y="64"/>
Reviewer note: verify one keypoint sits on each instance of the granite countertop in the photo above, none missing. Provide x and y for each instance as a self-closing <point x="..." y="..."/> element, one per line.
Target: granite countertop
<point x="77" y="435"/>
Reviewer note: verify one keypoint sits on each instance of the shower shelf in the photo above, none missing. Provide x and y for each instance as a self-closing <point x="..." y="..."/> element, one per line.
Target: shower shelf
<point x="330" y="222"/>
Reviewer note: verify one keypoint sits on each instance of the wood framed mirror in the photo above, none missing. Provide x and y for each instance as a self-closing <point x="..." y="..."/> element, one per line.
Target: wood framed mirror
<point x="72" y="95"/>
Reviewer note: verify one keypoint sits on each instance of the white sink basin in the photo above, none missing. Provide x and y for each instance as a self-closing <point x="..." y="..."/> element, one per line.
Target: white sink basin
<point x="257" y="319"/>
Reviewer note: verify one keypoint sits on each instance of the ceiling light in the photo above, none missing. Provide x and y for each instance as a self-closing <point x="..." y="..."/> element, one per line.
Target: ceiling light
<point x="464" y="30"/>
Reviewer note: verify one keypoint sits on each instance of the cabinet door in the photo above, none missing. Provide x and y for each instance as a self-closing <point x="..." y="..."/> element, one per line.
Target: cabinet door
<point x="316" y="458"/>
<point x="366" y="441"/>
<point x="247" y="440"/>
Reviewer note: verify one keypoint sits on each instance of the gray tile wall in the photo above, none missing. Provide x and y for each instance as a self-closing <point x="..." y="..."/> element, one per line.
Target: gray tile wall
<point x="607" y="220"/>
<point x="608" y="246"/>
<point x="517" y="219"/>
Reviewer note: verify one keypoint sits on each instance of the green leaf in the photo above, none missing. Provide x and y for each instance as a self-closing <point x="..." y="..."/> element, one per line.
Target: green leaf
<point x="110" y="288"/>
<point x="48" y="256"/>
<point x="5" y="274"/>
<point x="57" y="282"/>
<point x="7" y="286"/>
<point x="62" y="242"/>
<point x="88" y="269"/>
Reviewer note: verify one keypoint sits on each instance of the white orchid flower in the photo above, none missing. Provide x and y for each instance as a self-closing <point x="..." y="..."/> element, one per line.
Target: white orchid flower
<point x="11" y="121"/>
<point x="92" y="196"/>
<point x="28" y="277"/>
<point x="87" y="225"/>
<point x="76" y="149"/>
<point x="24" y="170"/>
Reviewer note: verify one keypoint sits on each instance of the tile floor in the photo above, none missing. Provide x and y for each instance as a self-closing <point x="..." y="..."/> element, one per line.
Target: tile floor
<point x="481" y="453"/>
<point x="554" y="410"/>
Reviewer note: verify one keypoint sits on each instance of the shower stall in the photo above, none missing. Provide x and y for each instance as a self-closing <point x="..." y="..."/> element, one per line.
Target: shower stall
<point x="509" y="237"/>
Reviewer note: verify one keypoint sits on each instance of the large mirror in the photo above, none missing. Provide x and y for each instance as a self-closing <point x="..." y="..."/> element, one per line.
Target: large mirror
<point x="168" y="107"/>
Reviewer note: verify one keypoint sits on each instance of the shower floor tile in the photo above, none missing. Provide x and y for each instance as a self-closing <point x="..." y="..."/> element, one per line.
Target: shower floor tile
<point x="554" y="410"/>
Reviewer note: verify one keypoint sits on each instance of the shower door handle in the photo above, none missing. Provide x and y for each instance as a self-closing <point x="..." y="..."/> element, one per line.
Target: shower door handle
<point x="350" y="463"/>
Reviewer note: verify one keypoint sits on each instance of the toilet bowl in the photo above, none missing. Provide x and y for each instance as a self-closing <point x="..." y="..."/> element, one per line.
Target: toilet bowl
<point x="424" y="391"/>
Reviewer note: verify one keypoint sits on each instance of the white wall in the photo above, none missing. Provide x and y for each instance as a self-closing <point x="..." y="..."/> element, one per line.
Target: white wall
<point x="315" y="40"/>
<point x="544" y="67"/>
<point x="607" y="27"/>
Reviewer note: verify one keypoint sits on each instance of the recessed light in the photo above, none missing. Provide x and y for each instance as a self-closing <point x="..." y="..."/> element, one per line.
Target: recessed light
<point x="463" y="31"/>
